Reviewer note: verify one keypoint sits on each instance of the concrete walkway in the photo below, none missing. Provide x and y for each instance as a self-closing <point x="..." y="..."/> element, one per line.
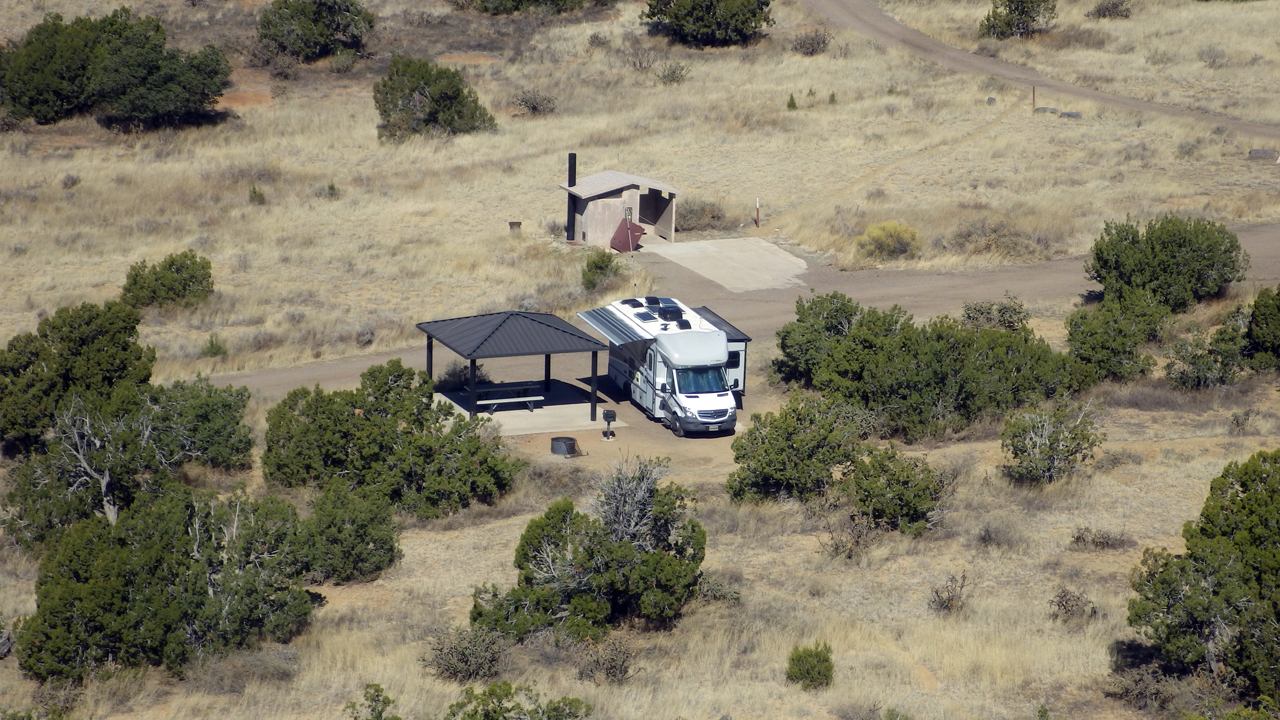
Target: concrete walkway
<point x="739" y="264"/>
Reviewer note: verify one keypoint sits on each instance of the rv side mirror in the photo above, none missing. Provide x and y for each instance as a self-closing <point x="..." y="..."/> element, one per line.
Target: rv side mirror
<point x="733" y="385"/>
<point x="662" y="388"/>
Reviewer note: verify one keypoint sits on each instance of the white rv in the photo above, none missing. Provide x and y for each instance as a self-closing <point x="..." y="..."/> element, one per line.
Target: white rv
<point x="684" y="367"/>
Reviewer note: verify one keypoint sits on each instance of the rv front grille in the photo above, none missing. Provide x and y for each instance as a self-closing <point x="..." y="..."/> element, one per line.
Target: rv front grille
<point x="713" y="414"/>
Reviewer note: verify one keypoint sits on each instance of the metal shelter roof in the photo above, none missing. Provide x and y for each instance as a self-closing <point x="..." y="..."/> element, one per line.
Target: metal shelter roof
<point x="509" y="334"/>
<point x="611" y="181"/>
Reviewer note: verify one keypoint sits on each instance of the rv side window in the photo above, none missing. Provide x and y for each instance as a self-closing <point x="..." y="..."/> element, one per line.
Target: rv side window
<point x="735" y="359"/>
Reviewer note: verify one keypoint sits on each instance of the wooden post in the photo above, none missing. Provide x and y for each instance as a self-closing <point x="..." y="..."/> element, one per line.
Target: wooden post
<point x="594" y="364"/>
<point x="546" y="374"/>
<point x="1033" y="98"/>
<point x="429" y="358"/>
<point x="472" y="385"/>
<point x="757" y="212"/>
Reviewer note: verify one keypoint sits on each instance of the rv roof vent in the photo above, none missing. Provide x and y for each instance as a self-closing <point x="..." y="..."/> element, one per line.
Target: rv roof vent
<point x="683" y="324"/>
<point x="633" y="303"/>
<point x="651" y="300"/>
<point x="670" y="313"/>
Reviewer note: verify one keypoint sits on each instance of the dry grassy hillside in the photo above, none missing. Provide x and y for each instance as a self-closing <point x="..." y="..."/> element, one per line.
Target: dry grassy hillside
<point x="419" y="230"/>
<point x="1002" y="657"/>
<point x="1211" y="56"/>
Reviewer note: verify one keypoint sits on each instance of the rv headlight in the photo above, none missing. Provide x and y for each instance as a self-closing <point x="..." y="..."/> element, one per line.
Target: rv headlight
<point x="690" y="413"/>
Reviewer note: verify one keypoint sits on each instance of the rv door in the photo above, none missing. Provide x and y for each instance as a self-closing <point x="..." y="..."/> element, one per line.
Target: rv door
<point x="643" y="390"/>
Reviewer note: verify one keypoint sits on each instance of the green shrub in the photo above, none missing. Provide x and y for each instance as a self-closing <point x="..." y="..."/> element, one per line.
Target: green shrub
<point x="813" y="447"/>
<point x="924" y="380"/>
<point x="47" y="74"/>
<point x="198" y="422"/>
<point x="1263" y="332"/>
<point x="579" y="574"/>
<point x="91" y="349"/>
<point x="183" y="278"/>
<point x="889" y="240"/>
<point x="116" y="68"/>
<point x="175" y="578"/>
<point x="1211" y="607"/>
<point x="1017" y="18"/>
<point x="256" y="196"/>
<point x="501" y="701"/>
<point x="1110" y="9"/>
<point x="811" y="667"/>
<point x="1048" y="445"/>
<point x="791" y="102"/>
<point x="376" y="705"/>
<point x="458" y="374"/>
<point x="793" y="453"/>
<point x="102" y="456"/>
<point x="1179" y="260"/>
<point x="351" y="535"/>
<point x="600" y="267"/>
<point x="312" y="29"/>
<point x="506" y="7"/>
<point x="214" y="347"/>
<point x="895" y="491"/>
<point x="420" y="97"/>
<point x="1106" y="339"/>
<point x="710" y="22"/>
<point x="917" y="380"/>
<point x="136" y="83"/>
<point x="389" y="434"/>
<point x="806" y="342"/>
<point x="1197" y="363"/>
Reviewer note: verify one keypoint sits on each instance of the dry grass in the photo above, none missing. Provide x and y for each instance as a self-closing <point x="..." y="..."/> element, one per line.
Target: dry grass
<point x="1014" y="545"/>
<point x="1180" y="52"/>
<point x="419" y="231"/>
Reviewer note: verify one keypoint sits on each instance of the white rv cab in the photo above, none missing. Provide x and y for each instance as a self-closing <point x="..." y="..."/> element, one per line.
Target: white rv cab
<point x="674" y="362"/>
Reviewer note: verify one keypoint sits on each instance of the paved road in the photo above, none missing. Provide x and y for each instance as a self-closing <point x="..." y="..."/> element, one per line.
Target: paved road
<point x="761" y="312"/>
<point x="864" y="17"/>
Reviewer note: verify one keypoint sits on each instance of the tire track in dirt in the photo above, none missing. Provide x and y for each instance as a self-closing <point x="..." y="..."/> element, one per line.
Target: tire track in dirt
<point x="864" y="17"/>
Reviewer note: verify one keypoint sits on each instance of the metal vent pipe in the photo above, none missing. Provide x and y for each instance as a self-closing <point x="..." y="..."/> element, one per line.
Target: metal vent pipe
<point x="569" y="216"/>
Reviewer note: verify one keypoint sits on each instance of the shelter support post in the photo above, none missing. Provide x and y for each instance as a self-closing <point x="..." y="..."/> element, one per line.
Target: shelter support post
<point x="595" y="355"/>
<point x="546" y="373"/>
<point x="429" y="357"/>
<point x="472" y="387"/>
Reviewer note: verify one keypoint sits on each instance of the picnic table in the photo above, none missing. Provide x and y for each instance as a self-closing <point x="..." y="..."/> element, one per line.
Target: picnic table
<point x="494" y="394"/>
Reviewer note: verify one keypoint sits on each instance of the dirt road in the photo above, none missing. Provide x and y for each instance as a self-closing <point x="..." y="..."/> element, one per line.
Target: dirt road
<point x="761" y="312"/>
<point x="864" y="17"/>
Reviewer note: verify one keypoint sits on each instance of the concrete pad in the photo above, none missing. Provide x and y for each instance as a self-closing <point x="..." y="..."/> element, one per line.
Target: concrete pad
<point x="567" y="408"/>
<point x="739" y="264"/>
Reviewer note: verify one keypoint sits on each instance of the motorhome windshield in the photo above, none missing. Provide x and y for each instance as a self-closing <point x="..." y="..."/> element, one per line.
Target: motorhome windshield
<point x="691" y="381"/>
